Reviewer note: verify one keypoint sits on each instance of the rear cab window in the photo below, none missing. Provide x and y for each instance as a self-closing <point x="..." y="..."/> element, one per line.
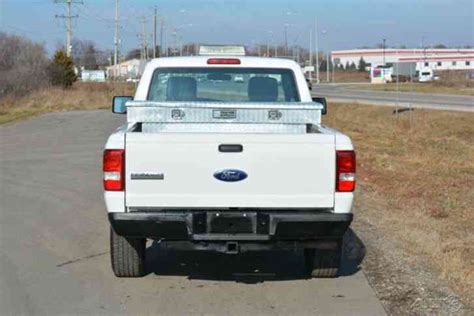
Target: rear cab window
<point x="221" y="84"/>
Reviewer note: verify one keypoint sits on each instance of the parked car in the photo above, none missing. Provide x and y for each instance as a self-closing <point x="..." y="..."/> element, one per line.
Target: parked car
<point x="427" y="75"/>
<point x="239" y="78"/>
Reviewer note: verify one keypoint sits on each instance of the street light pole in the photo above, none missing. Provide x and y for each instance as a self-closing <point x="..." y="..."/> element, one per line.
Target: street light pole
<point x="155" y="13"/>
<point x="310" y="53"/>
<point x="317" y="50"/>
<point x="327" y="54"/>
<point x="271" y="42"/>
<point x="181" y="38"/>
<point x="175" y="41"/>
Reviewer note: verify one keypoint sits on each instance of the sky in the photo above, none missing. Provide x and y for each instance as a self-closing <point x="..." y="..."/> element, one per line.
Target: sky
<point x="342" y="24"/>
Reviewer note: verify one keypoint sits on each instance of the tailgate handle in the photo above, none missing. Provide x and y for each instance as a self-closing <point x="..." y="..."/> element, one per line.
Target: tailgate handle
<point x="231" y="148"/>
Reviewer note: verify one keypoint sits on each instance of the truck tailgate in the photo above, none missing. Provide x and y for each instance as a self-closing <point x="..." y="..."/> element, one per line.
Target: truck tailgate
<point x="177" y="170"/>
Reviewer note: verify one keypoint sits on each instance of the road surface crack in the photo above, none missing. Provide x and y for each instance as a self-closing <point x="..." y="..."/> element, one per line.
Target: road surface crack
<point x="81" y="259"/>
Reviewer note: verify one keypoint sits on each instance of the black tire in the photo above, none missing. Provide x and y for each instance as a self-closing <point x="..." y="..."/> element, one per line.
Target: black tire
<point x="127" y="255"/>
<point x="323" y="263"/>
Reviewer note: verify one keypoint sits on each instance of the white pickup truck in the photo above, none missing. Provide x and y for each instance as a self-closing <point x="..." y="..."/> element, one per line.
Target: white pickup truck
<point x="228" y="154"/>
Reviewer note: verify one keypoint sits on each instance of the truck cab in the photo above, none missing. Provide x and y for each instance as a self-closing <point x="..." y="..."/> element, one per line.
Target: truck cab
<point x="227" y="153"/>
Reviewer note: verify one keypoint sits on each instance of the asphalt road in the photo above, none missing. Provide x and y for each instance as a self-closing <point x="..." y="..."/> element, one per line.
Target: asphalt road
<point x="340" y="92"/>
<point x="54" y="253"/>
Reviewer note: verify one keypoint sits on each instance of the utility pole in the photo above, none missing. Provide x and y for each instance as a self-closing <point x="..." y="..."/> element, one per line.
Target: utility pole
<point x="286" y="39"/>
<point x="271" y="43"/>
<point x="332" y="66"/>
<point x="68" y="17"/>
<point x="423" y="47"/>
<point x="144" y="44"/>
<point x="116" y="39"/>
<point x="175" y="43"/>
<point x="161" y="38"/>
<point x="383" y="47"/>
<point x="327" y="65"/>
<point x="317" y="50"/>
<point x="154" y="31"/>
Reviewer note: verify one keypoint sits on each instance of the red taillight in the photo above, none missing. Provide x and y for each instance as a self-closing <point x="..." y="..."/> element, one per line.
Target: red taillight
<point x="223" y="61"/>
<point x="345" y="170"/>
<point x="114" y="169"/>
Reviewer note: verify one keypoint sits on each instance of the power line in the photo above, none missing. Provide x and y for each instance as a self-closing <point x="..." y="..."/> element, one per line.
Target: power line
<point x="68" y="17"/>
<point x="88" y="12"/>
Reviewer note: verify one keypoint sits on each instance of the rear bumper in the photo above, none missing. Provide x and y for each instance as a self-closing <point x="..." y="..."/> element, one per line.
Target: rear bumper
<point x="259" y="226"/>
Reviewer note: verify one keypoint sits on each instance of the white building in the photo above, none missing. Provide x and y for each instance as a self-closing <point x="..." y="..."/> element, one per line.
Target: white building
<point x="434" y="58"/>
<point x="132" y="68"/>
<point x="92" y="75"/>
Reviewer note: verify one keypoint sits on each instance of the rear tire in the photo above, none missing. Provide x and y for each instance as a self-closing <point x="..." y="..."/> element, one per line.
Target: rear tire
<point x="127" y="255"/>
<point x="323" y="263"/>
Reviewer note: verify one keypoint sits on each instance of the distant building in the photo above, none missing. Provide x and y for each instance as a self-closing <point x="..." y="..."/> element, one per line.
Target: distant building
<point x="92" y="75"/>
<point x="129" y="69"/>
<point x="434" y="58"/>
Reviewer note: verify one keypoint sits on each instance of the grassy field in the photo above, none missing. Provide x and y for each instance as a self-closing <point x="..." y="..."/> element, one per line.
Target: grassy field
<point x="427" y="87"/>
<point x="82" y="96"/>
<point x="344" y="76"/>
<point x="415" y="183"/>
<point x="450" y="82"/>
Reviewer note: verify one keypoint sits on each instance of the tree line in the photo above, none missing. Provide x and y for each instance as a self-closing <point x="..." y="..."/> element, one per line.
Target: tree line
<point x="25" y="65"/>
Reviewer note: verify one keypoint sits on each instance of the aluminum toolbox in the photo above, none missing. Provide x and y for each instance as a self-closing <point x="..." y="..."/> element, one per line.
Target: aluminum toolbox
<point x="224" y="112"/>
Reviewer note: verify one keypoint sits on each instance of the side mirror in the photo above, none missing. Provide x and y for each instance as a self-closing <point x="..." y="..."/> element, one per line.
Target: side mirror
<point x="323" y="102"/>
<point x="118" y="104"/>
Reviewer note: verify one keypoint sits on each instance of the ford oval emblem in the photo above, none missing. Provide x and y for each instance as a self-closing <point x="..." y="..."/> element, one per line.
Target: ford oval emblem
<point x="230" y="175"/>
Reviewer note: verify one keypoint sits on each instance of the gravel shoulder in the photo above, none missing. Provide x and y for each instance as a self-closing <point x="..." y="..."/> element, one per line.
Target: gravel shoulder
<point x="405" y="284"/>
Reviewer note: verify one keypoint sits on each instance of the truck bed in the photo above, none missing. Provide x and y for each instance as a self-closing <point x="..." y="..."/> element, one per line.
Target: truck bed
<point x="293" y="168"/>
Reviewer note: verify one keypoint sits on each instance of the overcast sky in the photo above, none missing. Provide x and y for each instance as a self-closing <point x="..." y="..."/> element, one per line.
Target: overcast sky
<point x="348" y="23"/>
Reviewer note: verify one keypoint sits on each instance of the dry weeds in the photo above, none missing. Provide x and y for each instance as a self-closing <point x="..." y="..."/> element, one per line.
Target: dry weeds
<point x="344" y="76"/>
<point x="450" y="82"/>
<point x="82" y="96"/>
<point x="417" y="170"/>
<point x="426" y="87"/>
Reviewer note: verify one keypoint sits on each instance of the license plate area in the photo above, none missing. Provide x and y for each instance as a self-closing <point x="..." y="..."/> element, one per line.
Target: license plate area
<point x="231" y="223"/>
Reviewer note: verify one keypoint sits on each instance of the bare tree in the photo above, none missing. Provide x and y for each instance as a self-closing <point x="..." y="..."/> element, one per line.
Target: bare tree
<point x="23" y="65"/>
<point x="86" y="54"/>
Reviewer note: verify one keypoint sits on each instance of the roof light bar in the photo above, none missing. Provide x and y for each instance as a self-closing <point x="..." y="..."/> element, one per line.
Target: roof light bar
<point x="222" y="50"/>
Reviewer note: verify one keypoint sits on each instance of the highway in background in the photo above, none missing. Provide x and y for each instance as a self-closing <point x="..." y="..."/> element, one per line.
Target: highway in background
<point x="344" y="93"/>
<point x="54" y="243"/>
